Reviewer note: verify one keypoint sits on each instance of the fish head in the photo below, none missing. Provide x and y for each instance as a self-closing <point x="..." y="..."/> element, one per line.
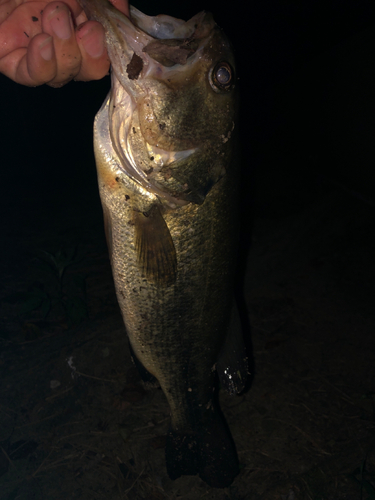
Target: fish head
<point x="173" y="100"/>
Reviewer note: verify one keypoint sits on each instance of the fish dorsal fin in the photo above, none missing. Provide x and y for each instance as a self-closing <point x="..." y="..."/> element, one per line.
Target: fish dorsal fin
<point x="154" y="246"/>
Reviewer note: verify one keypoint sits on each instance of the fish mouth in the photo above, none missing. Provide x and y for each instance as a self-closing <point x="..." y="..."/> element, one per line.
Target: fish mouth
<point x="142" y="48"/>
<point x="166" y="41"/>
<point x="141" y="45"/>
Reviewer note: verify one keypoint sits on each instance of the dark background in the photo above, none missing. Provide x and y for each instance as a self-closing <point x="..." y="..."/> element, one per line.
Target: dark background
<point x="306" y="425"/>
<point x="306" y="75"/>
<point x="292" y="69"/>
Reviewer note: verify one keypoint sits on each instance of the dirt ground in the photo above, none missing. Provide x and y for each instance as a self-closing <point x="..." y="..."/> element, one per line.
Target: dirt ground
<point x="75" y="421"/>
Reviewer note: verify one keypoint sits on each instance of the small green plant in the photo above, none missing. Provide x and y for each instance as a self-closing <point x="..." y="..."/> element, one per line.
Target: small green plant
<point x="60" y="290"/>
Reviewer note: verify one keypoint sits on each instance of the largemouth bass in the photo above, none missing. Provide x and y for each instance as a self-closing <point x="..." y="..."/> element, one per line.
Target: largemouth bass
<point x="165" y="151"/>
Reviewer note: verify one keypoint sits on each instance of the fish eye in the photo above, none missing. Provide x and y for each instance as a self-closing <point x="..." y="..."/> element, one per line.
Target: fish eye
<point x="221" y="77"/>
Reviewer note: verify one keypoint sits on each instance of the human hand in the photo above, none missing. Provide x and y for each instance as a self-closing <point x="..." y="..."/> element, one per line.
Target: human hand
<point x="51" y="42"/>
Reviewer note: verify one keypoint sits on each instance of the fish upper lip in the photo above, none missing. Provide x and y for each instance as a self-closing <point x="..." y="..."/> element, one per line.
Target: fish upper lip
<point x="128" y="36"/>
<point x="123" y="37"/>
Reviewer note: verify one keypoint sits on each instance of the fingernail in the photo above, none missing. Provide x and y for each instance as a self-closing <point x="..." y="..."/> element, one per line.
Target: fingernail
<point x="61" y="23"/>
<point x="93" y="42"/>
<point x="46" y="49"/>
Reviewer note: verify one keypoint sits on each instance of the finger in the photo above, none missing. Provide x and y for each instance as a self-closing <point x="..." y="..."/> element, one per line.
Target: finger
<point x="19" y="28"/>
<point x="34" y="65"/>
<point x="95" y="62"/>
<point x="41" y="60"/>
<point x="57" y="22"/>
<point x="122" y="6"/>
<point x="91" y="40"/>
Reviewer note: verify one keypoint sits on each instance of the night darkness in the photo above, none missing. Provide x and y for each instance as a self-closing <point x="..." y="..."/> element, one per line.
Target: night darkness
<point x="307" y="78"/>
<point x="289" y="56"/>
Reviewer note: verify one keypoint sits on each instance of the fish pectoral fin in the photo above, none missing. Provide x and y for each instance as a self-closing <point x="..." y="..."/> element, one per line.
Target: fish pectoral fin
<point x="154" y="246"/>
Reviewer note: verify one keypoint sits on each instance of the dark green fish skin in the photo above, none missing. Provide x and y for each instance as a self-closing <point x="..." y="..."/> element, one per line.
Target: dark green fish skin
<point x="168" y="178"/>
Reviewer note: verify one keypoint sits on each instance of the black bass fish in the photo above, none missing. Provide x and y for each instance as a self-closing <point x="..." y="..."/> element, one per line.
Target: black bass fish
<point x="167" y="171"/>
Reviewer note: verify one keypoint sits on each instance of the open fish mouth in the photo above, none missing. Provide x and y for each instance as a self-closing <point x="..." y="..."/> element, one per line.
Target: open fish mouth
<point x="152" y="57"/>
<point x="143" y="45"/>
<point x="169" y="42"/>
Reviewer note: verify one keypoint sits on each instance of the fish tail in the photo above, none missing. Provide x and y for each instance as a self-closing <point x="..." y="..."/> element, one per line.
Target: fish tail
<point x="210" y="452"/>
